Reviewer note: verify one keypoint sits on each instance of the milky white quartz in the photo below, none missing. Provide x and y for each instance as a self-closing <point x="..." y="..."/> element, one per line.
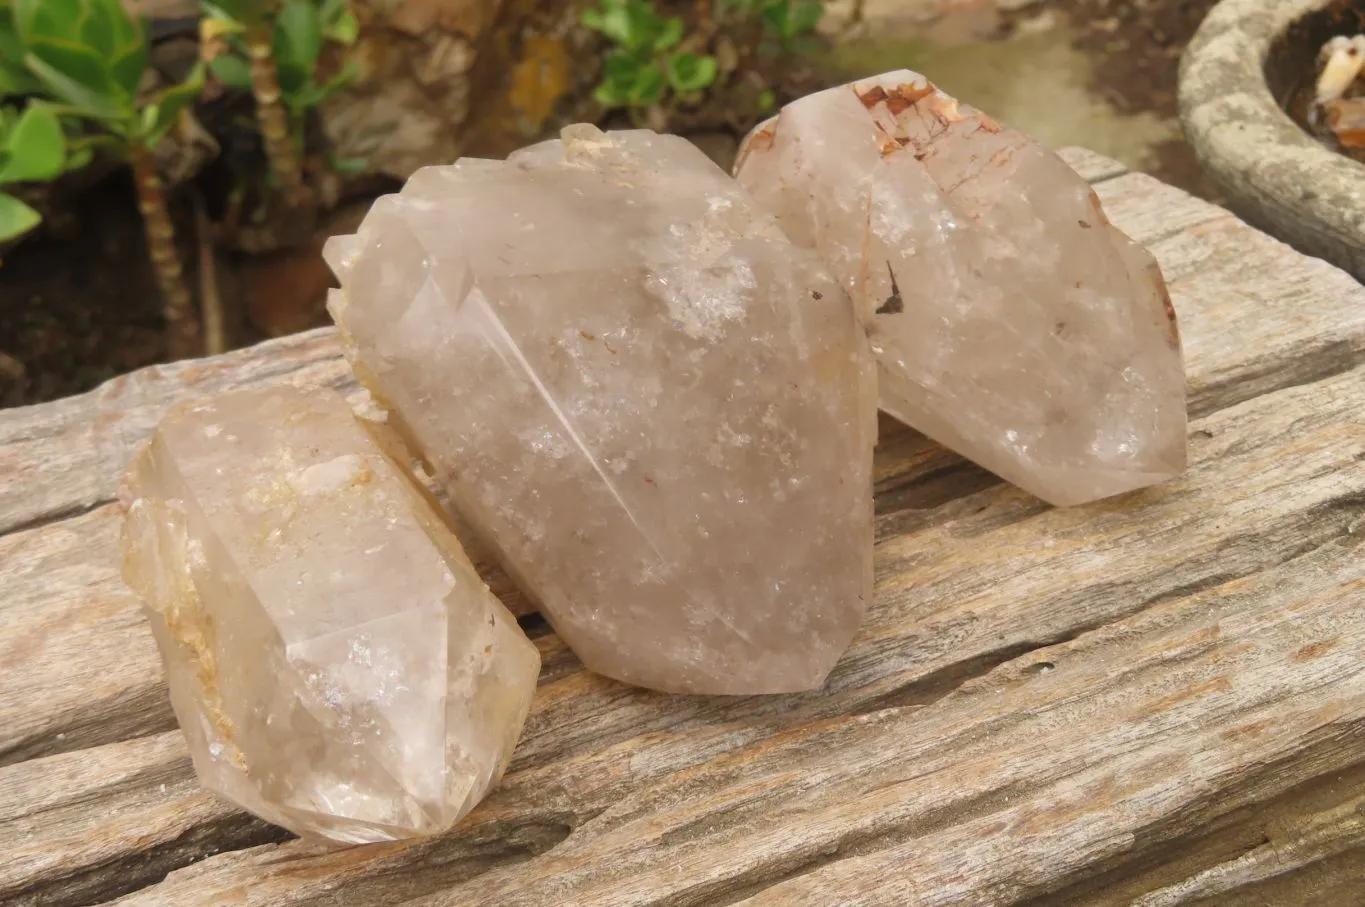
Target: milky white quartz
<point x="657" y="409"/>
<point x="336" y="664"/>
<point x="1012" y="322"/>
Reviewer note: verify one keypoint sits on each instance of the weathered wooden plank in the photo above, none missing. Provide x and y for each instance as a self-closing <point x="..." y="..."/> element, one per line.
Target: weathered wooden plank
<point x="1322" y="837"/>
<point x="140" y="797"/>
<point x="963" y="592"/>
<point x="1045" y="766"/>
<point x="1240" y="673"/>
<point x="1267" y="844"/>
<point x="77" y="663"/>
<point x="1092" y="167"/>
<point x="62" y="458"/>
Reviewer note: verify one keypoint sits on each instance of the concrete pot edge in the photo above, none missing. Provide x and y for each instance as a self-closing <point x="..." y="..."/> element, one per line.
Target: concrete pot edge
<point x="1275" y="174"/>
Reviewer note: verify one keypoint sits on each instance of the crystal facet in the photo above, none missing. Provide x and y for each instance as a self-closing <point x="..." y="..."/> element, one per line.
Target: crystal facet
<point x="337" y="665"/>
<point x="1012" y="322"/>
<point x="658" y="410"/>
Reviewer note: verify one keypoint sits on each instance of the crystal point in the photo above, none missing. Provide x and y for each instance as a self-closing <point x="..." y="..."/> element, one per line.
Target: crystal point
<point x="337" y="665"/>
<point x="1011" y="321"/>
<point x="657" y="409"/>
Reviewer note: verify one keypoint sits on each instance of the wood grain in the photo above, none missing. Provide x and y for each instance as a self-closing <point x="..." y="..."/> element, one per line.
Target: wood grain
<point x="1041" y="704"/>
<point x="137" y="797"/>
<point x="1281" y="841"/>
<point x="1181" y="691"/>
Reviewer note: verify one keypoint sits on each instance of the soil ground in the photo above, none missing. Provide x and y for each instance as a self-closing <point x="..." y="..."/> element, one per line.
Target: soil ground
<point x="82" y="308"/>
<point x="1100" y="73"/>
<point x="1136" y="46"/>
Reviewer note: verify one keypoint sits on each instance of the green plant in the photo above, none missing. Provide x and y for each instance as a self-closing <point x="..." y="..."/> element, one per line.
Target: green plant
<point x="787" y="26"/>
<point x="645" y="67"/>
<point x="15" y="79"/>
<point x="32" y="149"/>
<point x="790" y="24"/>
<point x="87" y="58"/>
<point x="274" y="51"/>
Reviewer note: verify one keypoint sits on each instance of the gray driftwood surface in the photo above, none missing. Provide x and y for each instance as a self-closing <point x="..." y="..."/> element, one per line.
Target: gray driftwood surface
<point x="1154" y="700"/>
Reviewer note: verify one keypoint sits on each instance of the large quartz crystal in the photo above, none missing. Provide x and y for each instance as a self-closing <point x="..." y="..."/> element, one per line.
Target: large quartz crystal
<point x="658" y="410"/>
<point x="335" y="662"/>
<point x="1012" y="322"/>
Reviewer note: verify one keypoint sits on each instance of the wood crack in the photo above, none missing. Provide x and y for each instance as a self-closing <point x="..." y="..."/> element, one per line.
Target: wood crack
<point x="97" y="884"/>
<point x="55" y="516"/>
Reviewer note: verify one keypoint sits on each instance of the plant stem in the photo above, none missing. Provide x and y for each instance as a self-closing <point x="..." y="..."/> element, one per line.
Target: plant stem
<point x="182" y="327"/>
<point x="856" y="16"/>
<point x="210" y="299"/>
<point x="279" y="143"/>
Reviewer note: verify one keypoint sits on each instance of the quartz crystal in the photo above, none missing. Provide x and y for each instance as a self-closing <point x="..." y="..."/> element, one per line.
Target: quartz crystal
<point x="335" y="662"/>
<point x="657" y="410"/>
<point x="1011" y="321"/>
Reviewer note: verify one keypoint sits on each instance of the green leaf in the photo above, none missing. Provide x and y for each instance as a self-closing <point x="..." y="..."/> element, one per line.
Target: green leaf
<point x="774" y="17"/>
<point x="81" y="150"/>
<point x="298" y="34"/>
<point x="629" y="82"/>
<point x="649" y="87"/>
<point x="36" y="147"/>
<point x="806" y="15"/>
<point x="669" y="34"/>
<point x="331" y="10"/>
<point x="611" y="94"/>
<point x="345" y="29"/>
<point x="128" y="30"/>
<point x="593" y="19"/>
<point x="76" y="75"/>
<point x="11" y="46"/>
<point x="96" y="27"/>
<point x="311" y="94"/>
<point x="348" y="165"/>
<point x="167" y="107"/>
<point x="308" y="95"/>
<point x="688" y="72"/>
<point x="146" y="124"/>
<point x="292" y="78"/>
<point x="620" y="67"/>
<point x="613" y="20"/>
<point x="243" y="12"/>
<point x="47" y="19"/>
<point x="218" y="25"/>
<point x="232" y="71"/>
<point x="16" y="218"/>
<point x="127" y="69"/>
<point x="339" y="81"/>
<point x="16" y="80"/>
<point x="767" y="101"/>
<point x="78" y="158"/>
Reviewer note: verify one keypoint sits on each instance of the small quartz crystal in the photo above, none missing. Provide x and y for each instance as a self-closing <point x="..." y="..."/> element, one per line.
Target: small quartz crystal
<point x="1011" y="321"/>
<point x="335" y="662"/>
<point x="658" y="409"/>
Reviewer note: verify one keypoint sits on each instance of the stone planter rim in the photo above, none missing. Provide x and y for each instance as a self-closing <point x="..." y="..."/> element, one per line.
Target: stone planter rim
<point x="1277" y="174"/>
